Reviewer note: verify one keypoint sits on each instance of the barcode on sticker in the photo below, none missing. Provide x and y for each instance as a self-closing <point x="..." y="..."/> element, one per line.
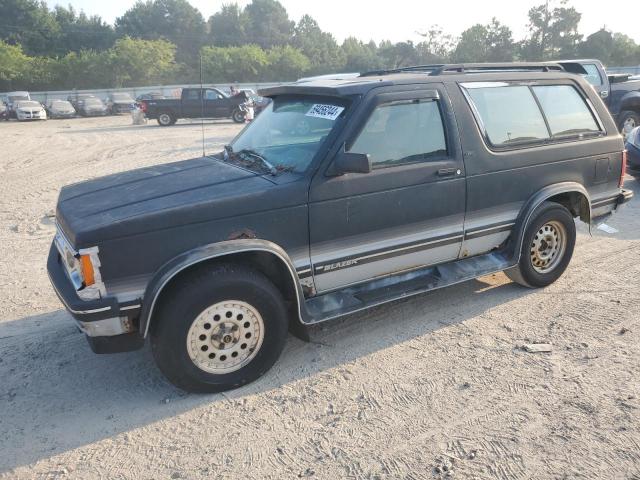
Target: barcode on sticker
<point x="330" y="112"/>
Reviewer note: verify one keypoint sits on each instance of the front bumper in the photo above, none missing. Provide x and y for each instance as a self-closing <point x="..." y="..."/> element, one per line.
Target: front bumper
<point x="109" y="325"/>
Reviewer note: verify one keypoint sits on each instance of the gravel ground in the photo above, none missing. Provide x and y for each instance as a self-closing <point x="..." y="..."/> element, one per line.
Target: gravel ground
<point x="436" y="386"/>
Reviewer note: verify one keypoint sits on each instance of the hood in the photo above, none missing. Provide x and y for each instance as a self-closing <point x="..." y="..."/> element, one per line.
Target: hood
<point x="157" y="197"/>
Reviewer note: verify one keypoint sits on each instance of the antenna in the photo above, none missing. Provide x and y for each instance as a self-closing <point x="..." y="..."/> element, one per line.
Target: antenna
<point x="202" y="106"/>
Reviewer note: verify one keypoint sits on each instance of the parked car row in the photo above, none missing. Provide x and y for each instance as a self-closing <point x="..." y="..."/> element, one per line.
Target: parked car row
<point x="194" y="103"/>
<point x="20" y="106"/>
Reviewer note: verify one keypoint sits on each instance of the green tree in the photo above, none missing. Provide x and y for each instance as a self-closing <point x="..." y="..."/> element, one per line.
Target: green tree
<point x="615" y="49"/>
<point x="437" y="46"/>
<point x="30" y="24"/>
<point x="286" y="64"/>
<point x="359" y="56"/>
<point x="268" y="24"/>
<point x="228" y="27"/>
<point x="134" y="62"/>
<point x="485" y="43"/>
<point x="14" y="65"/>
<point x="320" y="47"/>
<point x="81" y="32"/>
<point x="173" y="20"/>
<point x="396" y="55"/>
<point x="553" y="32"/>
<point x="233" y="64"/>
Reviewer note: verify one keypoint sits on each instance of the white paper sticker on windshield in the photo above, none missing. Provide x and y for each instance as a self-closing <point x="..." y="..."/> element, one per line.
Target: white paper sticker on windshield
<point x="330" y="112"/>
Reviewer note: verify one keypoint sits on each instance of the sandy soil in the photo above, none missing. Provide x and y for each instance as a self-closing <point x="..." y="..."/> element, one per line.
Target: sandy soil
<point x="431" y="387"/>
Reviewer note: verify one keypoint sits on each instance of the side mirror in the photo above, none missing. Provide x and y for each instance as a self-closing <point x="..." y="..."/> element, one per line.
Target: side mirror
<point x="349" y="162"/>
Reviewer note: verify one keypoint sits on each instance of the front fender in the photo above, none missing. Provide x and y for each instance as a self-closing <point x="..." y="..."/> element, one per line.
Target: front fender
<point x="535" y="201"/>
<point x="208" y="252"/>
<point x="630" y="101"/>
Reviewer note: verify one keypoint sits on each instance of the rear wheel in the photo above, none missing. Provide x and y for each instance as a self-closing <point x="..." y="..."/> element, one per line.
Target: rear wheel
<point x="237" y="116"/>
<point x="547" y="247"/>
<point x="166" y="119"/>
<point x="219" y="328"/>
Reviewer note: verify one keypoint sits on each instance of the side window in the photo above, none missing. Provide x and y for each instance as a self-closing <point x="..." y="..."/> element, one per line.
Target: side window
<point x="403" y="132"/>
<point x="193" y="95"/>
<point x="508" y="113"/>
<point x="593" y="75"/>
<point x="210" y="95"/>
<point x="566" y="111"/>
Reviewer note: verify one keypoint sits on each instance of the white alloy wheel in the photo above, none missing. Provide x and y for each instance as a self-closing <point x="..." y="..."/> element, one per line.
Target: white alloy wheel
<point x="225" y="337"/>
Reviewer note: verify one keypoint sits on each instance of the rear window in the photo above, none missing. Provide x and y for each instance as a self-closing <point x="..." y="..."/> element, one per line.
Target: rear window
<point x="565" y="110"/>
<point x="515" y="114"/>
<point x="509" y="114"/>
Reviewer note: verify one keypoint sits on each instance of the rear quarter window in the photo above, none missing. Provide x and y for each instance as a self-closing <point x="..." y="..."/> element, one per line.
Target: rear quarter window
<point x="517" y="115"/>
<point x="508" y="114"/>
<point x="566" y="111"/>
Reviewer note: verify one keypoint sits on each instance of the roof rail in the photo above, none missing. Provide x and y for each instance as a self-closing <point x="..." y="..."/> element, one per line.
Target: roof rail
<point x="457" y="68"/>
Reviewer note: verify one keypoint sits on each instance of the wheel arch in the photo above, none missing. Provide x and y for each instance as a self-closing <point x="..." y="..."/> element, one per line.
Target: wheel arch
<point x="267" y="257"/>
<point x="630" y="101"/>
<point x="572" y="195"/>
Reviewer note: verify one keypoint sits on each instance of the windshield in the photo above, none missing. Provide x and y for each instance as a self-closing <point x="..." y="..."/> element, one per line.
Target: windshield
<point x="287" y="134"/>
<point x="60" y="104"/>
<point x="27" y="104"/>
<point x="93" y="101"/>
<point x="16" y="98"/>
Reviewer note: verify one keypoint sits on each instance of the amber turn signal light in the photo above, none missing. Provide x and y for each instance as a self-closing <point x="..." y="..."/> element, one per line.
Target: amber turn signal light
<point x="87" y="270"/>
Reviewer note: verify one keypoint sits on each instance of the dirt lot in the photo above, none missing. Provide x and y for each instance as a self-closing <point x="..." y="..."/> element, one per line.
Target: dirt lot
<point x="434" y="386"/>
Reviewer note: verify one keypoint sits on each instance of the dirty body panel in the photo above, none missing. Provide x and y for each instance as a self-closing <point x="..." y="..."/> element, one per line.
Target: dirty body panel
<point x="441" y="203"/>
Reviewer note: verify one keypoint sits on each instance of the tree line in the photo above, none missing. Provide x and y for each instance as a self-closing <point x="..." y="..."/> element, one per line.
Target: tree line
<point x="169" y="41"/>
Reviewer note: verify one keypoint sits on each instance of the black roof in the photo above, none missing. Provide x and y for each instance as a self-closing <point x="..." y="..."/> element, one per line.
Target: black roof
<point x="419" y="74"/>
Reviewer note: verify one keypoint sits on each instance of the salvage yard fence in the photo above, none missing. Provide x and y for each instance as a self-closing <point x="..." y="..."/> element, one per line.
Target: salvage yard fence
<point x="166" y="90"/>
<point x="174" y="90"/>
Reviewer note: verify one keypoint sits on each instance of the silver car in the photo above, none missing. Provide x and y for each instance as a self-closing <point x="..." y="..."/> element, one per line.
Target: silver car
<point x="30" y="110"/>
<point x="60" y="109"/>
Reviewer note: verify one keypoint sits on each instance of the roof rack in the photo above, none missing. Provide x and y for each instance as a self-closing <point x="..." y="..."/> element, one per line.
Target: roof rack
<point x="457" y="68"/>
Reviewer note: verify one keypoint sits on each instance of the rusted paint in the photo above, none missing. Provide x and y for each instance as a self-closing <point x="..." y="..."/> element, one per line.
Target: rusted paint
<point x="244" y="234"/>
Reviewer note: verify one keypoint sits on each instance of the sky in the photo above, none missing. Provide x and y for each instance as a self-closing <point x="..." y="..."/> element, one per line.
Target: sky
<point x="400" y="20"/>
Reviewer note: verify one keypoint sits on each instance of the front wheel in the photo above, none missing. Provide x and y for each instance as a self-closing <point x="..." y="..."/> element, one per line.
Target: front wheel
<point x="628" y="121"/>
<point x="219" y="328"/>
<point x="547" y="247"/>
<point x="237" y="116"/>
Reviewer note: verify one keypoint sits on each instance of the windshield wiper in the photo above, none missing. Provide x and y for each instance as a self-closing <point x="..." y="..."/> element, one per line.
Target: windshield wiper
<point x="228" y="151"/>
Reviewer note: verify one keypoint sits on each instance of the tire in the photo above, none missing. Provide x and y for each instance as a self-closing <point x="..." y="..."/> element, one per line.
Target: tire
<point x="628" y="121"/>
<point x="166" y="119"/>
<point x="237" y="116"/>
<point x="199" y="347"/>
<point x="547" y="247"/>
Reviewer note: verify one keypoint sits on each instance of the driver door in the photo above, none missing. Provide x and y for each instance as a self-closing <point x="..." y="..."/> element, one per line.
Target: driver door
<point x="216" y="104"/>
<point x="408" y="212"/>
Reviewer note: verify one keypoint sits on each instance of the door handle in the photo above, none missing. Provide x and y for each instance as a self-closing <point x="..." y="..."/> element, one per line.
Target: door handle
<point x="444" y="172"/>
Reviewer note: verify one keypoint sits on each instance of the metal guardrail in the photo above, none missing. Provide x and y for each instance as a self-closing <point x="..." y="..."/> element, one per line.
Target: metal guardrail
<point x="166" y="90"/>
<point x="631" y="70"/>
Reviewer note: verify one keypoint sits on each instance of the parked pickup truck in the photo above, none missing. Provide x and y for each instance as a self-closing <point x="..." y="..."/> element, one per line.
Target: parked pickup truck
<point x="195" y="103"/>
<point x="340" y="196"/>
<point x="619" y="92"/>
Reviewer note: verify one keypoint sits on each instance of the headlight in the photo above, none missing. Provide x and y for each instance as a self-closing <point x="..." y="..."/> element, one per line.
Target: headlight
<point x="83" y="268"/>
